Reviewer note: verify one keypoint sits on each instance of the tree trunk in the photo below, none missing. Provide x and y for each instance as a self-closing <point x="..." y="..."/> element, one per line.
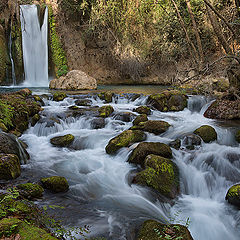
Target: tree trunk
<point x="199" y="44"/>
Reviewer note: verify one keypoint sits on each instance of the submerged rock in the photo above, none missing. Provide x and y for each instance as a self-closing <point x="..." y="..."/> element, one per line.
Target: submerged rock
<point x="30" y="190"/>
<point x="237" y="136"/>
<point x="59" y="96"/>
<point x="83" y="102"/>
<point x="153" y="230"/>
<point x="233" y="195"/>
<point x="207" y="133"/>
<point x="74" y="80"/>
<point x="168" y="101"/>
<point x="175" y="144"/>
<point x="139" y="154"/>
<point x="9" y="166"/>
<point x="106" y="96"/>
<point x="62" y="141"/>
<point x="143" y="110"/>
<point x="140" y="118"/>
<point x="55" y="184"/>
<point x="192" y="140"/>
<point x="160" y="174"/>
<point x="98" y="123"/>
<point x="124" y="116"/>
<point x="105" y="111"/>
<point x="124" y="139"/>
<point x="152" y="126"/>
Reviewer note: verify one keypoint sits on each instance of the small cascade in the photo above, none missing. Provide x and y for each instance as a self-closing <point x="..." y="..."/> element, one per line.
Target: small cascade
<point x="12" y="62"/>
<point x="35" y="47"/>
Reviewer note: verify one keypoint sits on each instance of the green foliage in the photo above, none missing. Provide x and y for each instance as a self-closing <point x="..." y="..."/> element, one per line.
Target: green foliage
<point x="6" y="114"/>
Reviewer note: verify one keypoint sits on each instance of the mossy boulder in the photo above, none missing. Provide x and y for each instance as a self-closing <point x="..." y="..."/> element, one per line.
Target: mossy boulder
<point x="139" y="154"/>
<point x="207" y="133"/>
<point x="9" y="166"/>
<point x="55" y="184"/>
<point x="3" y="127"/>
<point x="59" y="96"/>
<point x="62" y="141"/>
<point x="153" y="230"/>
<point x="30" y="190"/>
<point x="124" y="139"/>
<point x="152" y="126"/>
<point x="124" y="116"/>
<point x="140" y="118"/>
<point x="168" y="101"/>
<point x="233" y="195"/>
<point x="106" y="96"/>
<point x="237" y="136"/>
<point x="35" y="119"/>
<point x="143" y="110"/>
<point x="161" y="174"/>
<point x="83" y="102"/>
<point x="105" y="111"/>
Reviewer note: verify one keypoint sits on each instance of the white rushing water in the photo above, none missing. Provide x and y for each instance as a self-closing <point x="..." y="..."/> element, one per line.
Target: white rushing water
<point x="35" y="46"/>
<point x="99" y="183"/>
<point x="12" y="62"/>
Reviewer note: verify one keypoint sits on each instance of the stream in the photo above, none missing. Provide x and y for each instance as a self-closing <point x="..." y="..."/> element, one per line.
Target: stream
<point x="101" y="194"/>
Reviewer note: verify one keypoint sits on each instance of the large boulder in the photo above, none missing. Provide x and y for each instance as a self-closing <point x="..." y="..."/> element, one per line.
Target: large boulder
<point x="31" y="190"/>
<point x="59" y="96"/>
<point x="124" y="139"/>
<point x="62" y="141"/>
<point x="237" y="136"/>
<point x="168" y="101"/>
<point x="152" y="126"/>
<point x="124" y="116"/>
<point x="106" y="96"/>
<point x="139" y="154"/>
<point x="161" y="174"/>
<point x="9" y="144"/>
<point x="74" y="80"/>
<point x="140" y="118"/>
<point x="55" y="184"/>
<point x="105" y="111"/>
<point x="233" y="195"/>
<point x="143" y="110"/>
<point x="153" y="230"/>
<point x="223" y="109"/>
<point x="207" y="133"/>
<point x="98" y="123"/>
<point x="83" y="102"/>
<point x="9" y="166"/>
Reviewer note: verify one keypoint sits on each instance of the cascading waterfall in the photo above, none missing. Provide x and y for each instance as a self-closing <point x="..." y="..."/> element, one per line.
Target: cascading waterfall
<point x="35" y="46"/>
<point x="12" y="62"/>
<point x="100" y="194"/>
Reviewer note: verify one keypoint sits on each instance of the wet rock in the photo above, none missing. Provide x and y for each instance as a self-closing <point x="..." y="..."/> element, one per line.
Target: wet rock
<point x="35" y="119"/>
<point x="168" y="101"/>
<point x="237" y="136"/>
<point x="152" y="230"/>
<point x="233" y="195"/>
<point x="98" y="123"/>
<point x="143" y="110"/>
<point x="192" y="140"/>
<point x="207" y="133"/>
<point x="124" y="139"/>
<point x="175" y="144"/>
<point x="152" y="126"/>
<point x="83" y="102"/>
<point x="124" y="116"/>
<point x="140" y="118"/>
<point x="74" y="80"/>
<point x="59" y="96"/>
<point x="31" y="190"/>
<point x="78" y="112"/>
<point x="133" y="96"/>
<point x="9" y="166"/>
<point x="223" y="109"/>
<point x="38" y="99"/>
<point x="9" y="144"/>
<point x="25" y="92"/>
<point x="50" y="122"/>
<point x="160" y="174"/>
<point x="55" y="184"/>
<point x="62" y="141"/>
<point x="105" y="111"/>
<point x="139" y="154"/>
<point x="106" y="96"/>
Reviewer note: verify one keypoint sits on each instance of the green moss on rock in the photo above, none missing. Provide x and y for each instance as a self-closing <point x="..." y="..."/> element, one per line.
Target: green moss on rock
<point x="62" y="141"/>
<point x="143" y="110"/>
<point x="233" y="195"/>
<point x="9" y="166"/>
<point x="207" y="133"/>
<point x="105" y="111"/>
<point x="31" y="190"/>
<point x="160" y="174"/>
<point x="140" y="118"/>
<point x="124" y="140"/>
<point x="153" y="230"/>
<point x="106" y="96"/>
<point x="59" y="96"/>
<point x="237" y="136"/>
<point x="55" y="184"/>
<point x="139" y="154"/>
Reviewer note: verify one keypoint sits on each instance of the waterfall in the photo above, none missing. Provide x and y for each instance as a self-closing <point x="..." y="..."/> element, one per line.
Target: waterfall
<point x="35" y="47"/>
<point x="11" y="58"/>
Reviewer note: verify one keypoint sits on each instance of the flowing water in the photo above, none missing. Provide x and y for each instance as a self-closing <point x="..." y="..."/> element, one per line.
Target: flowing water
<point x="101" y="194"/>
<point x="35" y="46"/>
<point x="12" y="62"/>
